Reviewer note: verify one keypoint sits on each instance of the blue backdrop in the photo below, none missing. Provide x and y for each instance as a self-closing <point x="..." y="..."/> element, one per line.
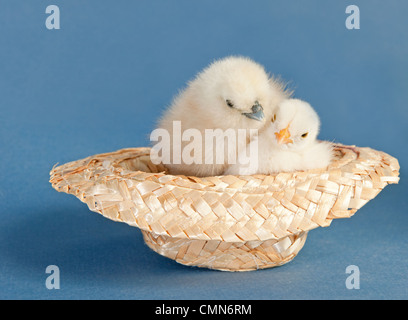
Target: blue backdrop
<point x="100" y="82"/>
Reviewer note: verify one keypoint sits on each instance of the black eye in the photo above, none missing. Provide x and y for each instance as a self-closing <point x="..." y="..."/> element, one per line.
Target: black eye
<point x="229" y="103"/>
<point x="305" y="135"/>
<point x="273" y="118"/>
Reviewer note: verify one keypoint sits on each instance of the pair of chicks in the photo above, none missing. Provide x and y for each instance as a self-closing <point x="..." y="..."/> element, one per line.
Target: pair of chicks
<point x="236" y="93"/>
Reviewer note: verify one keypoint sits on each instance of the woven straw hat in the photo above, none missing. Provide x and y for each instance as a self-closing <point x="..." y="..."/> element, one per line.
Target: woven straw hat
<point x="234" y="223"/>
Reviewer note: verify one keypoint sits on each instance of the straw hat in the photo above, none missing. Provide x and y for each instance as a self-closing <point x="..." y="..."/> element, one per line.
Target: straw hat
<point x="234" y="223"/>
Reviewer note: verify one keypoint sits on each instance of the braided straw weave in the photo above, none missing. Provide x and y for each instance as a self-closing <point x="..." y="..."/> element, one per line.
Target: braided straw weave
<point x="234" y="223"/>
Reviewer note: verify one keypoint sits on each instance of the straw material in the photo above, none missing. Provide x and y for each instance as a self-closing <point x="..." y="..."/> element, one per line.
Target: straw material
<point x="225" y="222"/>
<point x="227" y="256"/>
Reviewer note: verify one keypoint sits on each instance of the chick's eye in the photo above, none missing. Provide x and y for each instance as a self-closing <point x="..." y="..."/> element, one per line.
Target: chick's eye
<point x="229" y="103"/>
<point x="305" y="135"/>
<point x="273" y="118"/>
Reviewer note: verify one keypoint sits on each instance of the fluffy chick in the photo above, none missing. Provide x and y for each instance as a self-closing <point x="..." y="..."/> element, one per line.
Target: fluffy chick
<point x="289" y="142"/>
<point x="231" y="93"/>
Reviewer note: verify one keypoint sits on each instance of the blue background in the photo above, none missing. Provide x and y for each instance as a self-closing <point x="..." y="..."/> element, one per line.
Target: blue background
<point x="100" y="82"/>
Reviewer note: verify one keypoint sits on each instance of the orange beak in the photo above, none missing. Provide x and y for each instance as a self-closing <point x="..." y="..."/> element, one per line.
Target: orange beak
<point x="283" y="136"/>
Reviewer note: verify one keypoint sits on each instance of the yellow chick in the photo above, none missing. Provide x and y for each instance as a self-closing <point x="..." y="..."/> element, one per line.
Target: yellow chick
<point x="230" y="94"/>
<point x="288" y="143"/>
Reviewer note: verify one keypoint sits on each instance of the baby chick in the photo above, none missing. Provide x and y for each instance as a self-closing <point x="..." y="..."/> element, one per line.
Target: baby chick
<point x="288" y="143"/>
<point x="231" y="93"/>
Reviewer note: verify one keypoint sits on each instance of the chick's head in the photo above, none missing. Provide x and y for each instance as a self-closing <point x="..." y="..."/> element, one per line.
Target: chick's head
<point x="295" y="125"/>
<point x="234" y="92"/>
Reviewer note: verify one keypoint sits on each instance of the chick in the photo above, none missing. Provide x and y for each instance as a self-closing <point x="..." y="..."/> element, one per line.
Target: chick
<point x="288" y="143"/>
<point x="230" y="94"/>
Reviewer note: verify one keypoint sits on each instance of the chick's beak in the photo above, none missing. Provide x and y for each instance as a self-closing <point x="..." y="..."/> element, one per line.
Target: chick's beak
<point x="283" y="136"/>
<point x="257" y="112"/>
